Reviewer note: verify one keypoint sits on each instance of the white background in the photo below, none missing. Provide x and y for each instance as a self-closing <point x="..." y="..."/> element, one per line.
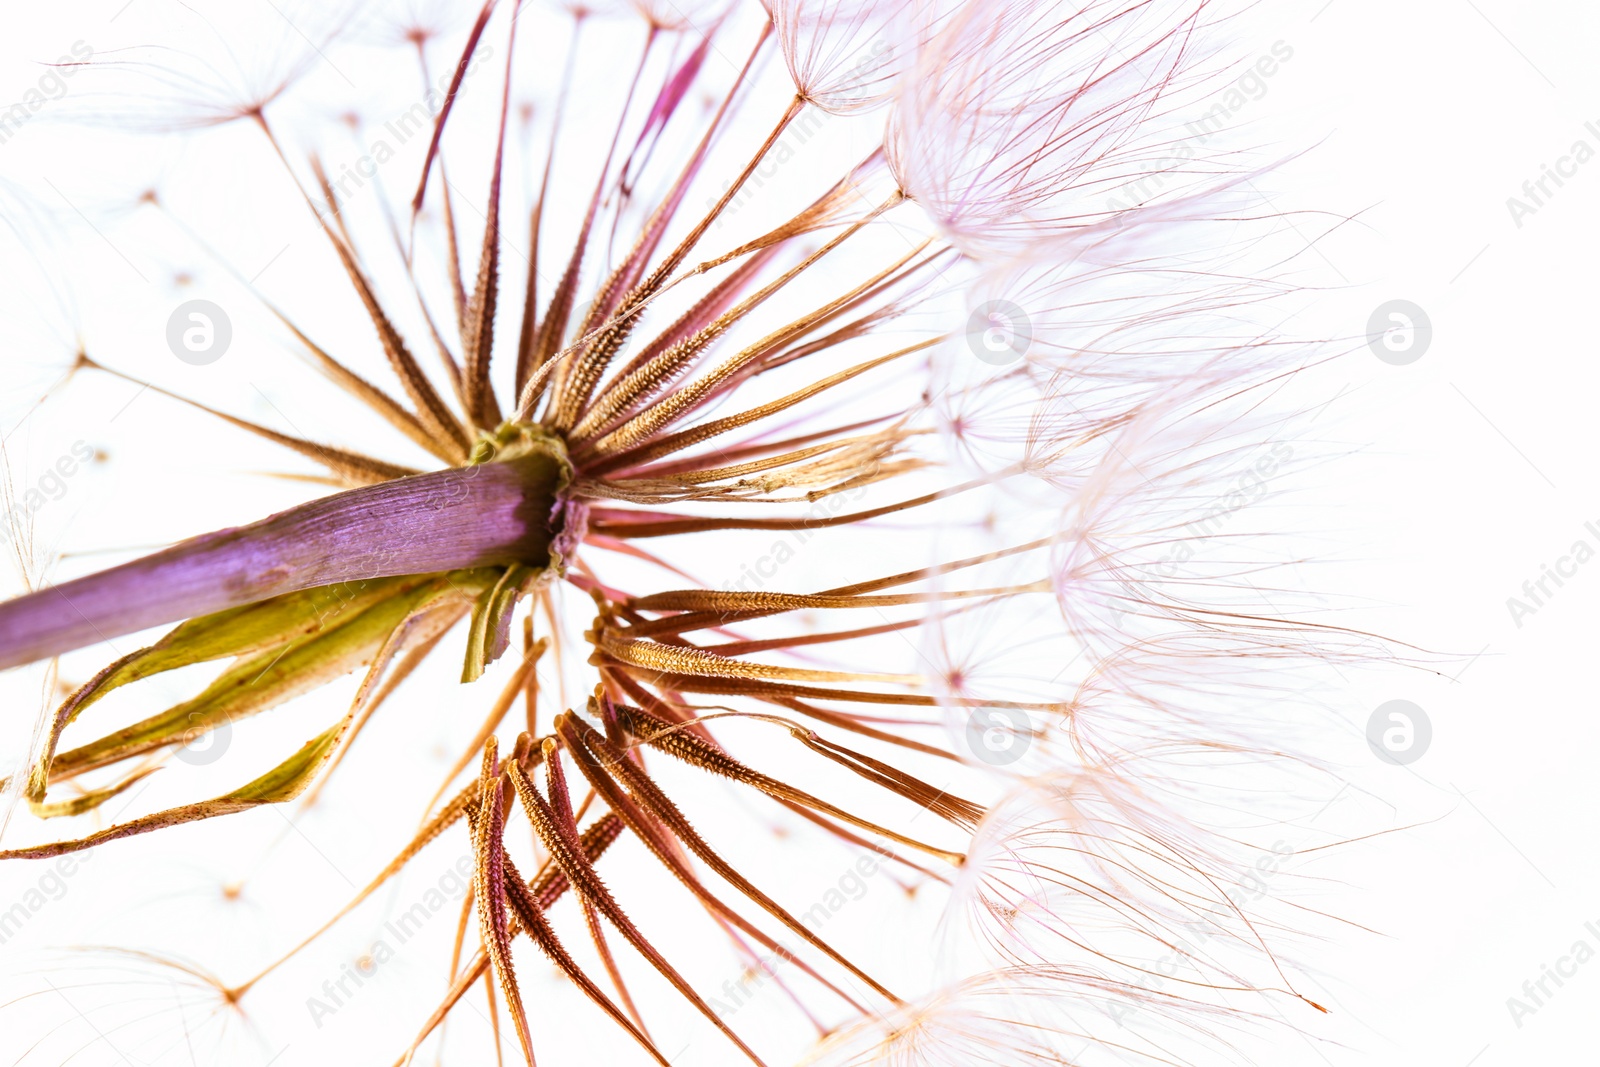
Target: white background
<point x="1461" y="476"/>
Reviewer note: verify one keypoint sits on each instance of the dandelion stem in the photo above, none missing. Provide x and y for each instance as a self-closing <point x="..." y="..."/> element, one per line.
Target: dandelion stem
<point x="491" y="514"/>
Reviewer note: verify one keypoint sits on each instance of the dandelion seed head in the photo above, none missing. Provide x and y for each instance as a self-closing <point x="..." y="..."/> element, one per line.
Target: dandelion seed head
<point x="933" y="421"/>
<point x="252" y="60"/>
<point x="680" y="15"/>
<point x="1026" y="118"/>
<point x="850" y="56"/>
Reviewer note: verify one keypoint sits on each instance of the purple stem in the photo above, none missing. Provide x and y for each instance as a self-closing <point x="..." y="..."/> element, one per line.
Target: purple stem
<point x="491" y="514"/>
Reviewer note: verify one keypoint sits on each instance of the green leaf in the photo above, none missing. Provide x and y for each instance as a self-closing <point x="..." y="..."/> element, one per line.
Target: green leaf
<point x="489" y="634"/>
<point x="284" y="782"/>
<point x="268" y="624"/>
<point x="277" y="672"/>
<point x="90" y="800"/>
